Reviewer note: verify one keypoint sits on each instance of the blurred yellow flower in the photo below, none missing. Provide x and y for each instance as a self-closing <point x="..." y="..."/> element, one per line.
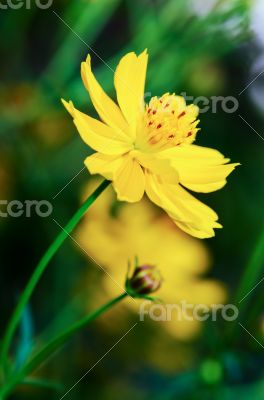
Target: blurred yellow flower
<point x="114" y="232"/>
<point x="149" y="147"/>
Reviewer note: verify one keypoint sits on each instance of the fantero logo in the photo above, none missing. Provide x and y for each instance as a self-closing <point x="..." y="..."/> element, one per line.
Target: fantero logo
<point x="28" y="4"/>
<point x="16" y="208"/>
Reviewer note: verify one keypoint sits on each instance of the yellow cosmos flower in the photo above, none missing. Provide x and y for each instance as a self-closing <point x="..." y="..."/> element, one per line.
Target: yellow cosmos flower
<point x="149" y="148"/>
<point x="140" y="229"/>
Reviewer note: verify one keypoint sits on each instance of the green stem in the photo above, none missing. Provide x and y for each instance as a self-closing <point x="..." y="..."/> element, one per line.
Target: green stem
<point x="56" y="343"/>
<point x="40" y="268"/>
<point x="248" y="284"/>
<point x="251" y="275"/>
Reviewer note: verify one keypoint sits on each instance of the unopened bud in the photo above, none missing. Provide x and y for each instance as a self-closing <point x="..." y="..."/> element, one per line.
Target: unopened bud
<point x="146" y="279"/>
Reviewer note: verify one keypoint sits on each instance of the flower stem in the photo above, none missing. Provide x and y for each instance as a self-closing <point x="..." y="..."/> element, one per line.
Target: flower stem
<point x="55" y="344"/>
<point x="251" y="274"/>
<point x="248" y="283"/>
<point x="40" y="268"/>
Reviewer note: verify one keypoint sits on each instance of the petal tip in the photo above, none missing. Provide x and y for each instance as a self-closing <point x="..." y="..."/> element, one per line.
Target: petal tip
<point x="88" y="59"/>
<point x="69" y="106"/>
<point x="86" y="64"/>
<point x="144" y="52"/>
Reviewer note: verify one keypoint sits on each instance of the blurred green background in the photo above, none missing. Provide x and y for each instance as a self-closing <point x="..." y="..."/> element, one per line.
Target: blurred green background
<point x="203" y="48"/>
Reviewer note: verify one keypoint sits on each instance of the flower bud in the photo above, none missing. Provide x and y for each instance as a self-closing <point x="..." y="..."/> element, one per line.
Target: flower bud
<point x="146" y="279"/>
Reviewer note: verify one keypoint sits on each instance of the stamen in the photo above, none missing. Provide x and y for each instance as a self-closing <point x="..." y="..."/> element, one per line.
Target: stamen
<point x="163" y="128"/>
<point x="181" y="114"/>
<point x="152" y="140"/>
<point x="155" y="139"/>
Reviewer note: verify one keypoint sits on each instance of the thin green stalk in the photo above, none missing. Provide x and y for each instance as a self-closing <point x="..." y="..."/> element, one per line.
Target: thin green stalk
<point x="252" y="274"/>
<point x="40" y="268"/>
<point x="250" y="281"/>
<point x="55" y="344"/>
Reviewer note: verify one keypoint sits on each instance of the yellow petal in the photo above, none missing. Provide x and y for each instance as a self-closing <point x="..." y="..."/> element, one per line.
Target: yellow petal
<point x="130" y="181"/>
<point x="130" y="79"/>
<point x="157" y="166"/>
<point x="194" y="153"/>
<point x="107" y="109"/>
<point x="103" y="164"/>
<point x="96" y="134"/>
<point x="200" y="169"/>
<point x="205" y="179"/>
<point x="191" y="215"/>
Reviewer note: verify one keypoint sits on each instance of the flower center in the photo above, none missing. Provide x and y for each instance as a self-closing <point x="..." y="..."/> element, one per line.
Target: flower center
<point x="167" y="122"/>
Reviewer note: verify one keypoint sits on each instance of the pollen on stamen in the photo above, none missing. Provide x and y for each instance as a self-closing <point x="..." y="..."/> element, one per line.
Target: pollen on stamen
<point x="181" y="114"/>
<point x="166" y="124"/>
<point x="153" y="140"/>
